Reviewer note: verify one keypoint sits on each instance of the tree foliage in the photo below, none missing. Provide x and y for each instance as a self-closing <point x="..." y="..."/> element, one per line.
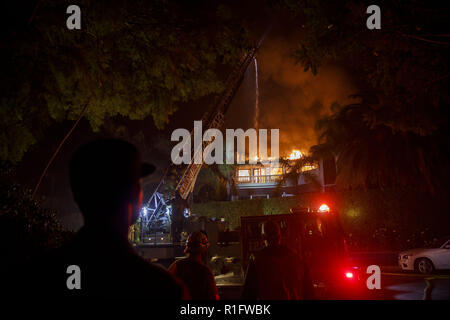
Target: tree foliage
<point x="392" y="219"/>
<point x="212" y="183"/>
<point x="293" y="169"/>
<point x="130" y="58"/>
<point x="377" y="156"/>
<point x="26" y="228"/>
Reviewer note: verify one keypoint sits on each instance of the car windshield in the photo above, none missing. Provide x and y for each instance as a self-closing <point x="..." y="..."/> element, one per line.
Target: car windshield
<point x="437" y="243"/>
<point x="443" y="241"/>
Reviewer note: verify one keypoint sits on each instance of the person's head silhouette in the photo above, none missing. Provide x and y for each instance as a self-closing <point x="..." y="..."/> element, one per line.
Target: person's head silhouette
<point x="271" y="233"/>
<point x="197" y="245"/>
<point x="105" y="179"/>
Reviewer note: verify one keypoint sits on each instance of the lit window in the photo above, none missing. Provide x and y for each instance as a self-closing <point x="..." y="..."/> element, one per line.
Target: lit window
<point x="276" y="171"/>
<point x="244" y="173"/>
<point x="309" y="167"/>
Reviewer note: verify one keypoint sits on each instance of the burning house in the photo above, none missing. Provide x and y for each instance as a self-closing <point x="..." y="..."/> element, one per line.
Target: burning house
<point x="279" y="179"/>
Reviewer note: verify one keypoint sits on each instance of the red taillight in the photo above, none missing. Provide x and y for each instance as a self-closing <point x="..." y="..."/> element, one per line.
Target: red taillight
<point x="349" y="275"/>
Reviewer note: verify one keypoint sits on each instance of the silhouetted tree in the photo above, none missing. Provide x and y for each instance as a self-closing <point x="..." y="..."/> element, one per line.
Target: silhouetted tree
<point x="130" y="58"/>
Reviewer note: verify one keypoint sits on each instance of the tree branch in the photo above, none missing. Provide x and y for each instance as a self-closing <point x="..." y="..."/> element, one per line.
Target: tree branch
<point x="83" y="112"/>
<point x="446" y="43"/>
<point x="34" y="11"/>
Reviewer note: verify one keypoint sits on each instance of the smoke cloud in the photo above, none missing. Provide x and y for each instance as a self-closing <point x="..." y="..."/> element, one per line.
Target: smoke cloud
<point x="293" y="100"/>
<point x="289" y="98"/>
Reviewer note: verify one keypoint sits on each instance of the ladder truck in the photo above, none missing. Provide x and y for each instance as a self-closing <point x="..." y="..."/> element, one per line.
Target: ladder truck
<point x="158" y="209"/>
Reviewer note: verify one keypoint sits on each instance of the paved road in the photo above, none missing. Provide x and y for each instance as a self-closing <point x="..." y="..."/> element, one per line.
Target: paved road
<point x="408" y="286"/>
<point x="395" y="285"/>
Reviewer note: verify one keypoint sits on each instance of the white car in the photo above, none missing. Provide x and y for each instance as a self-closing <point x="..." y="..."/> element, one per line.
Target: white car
<point x="426" y="260"/>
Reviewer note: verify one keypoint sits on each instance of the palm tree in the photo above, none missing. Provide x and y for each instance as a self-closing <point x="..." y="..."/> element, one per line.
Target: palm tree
<point x="293" y="170"/>
<point x="372" y="152"/>
<point x="213" y="180"/>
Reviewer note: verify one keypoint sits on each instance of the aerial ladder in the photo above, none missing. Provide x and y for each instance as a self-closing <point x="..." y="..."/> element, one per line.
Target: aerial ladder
<point x="157" y="211"/>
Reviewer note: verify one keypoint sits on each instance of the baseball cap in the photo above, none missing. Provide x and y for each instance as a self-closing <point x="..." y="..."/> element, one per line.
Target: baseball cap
<point x="106" y="168"/>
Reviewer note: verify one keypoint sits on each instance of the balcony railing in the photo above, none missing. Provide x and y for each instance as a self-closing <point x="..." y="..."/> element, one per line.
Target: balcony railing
<point x="258" y="179"/>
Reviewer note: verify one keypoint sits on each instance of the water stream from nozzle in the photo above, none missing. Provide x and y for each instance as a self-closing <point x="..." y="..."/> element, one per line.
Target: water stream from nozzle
<point x="255" y="121"/>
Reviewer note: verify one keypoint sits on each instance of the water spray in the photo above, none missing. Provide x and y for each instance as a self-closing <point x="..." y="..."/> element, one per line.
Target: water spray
<point x="255" y="122"/>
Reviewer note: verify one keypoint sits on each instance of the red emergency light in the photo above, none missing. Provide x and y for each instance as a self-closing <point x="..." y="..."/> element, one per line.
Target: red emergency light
<point x="324" y="208"/>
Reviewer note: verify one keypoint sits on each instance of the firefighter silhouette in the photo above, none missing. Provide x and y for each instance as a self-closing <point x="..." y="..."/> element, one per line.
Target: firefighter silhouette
<point x="276" y="272"/>
<point x="176" y="227"/>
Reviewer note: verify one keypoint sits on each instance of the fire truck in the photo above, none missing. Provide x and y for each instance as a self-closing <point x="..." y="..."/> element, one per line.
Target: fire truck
<point x="317" y="237"/>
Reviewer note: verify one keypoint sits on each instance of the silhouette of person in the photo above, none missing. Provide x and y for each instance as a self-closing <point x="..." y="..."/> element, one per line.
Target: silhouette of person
<point x="276" y="272"/>
<point x="177" y="218"/>
<point x="105" y="179"/>
<point x="192" y="270"/>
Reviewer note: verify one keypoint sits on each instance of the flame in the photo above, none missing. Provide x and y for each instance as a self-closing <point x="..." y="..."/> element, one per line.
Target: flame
<point x="295" y="154"/>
